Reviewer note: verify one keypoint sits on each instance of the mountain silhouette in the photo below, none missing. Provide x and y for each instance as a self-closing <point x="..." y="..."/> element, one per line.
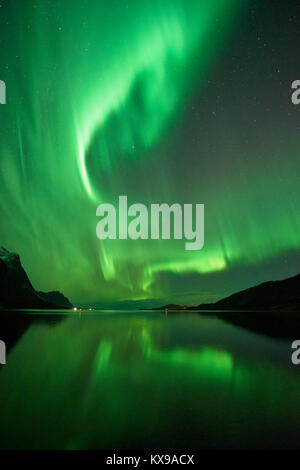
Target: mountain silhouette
<point x="16" y="290"/>
<point x="270" y="296"/>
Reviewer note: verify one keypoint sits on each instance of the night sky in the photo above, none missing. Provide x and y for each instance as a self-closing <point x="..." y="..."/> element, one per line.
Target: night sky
<point x="163" y="101"/>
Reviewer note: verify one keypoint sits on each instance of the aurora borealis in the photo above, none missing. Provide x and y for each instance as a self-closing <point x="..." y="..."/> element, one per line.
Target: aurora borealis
<point x="143" y="380"/>
<point x="163" y="101"/>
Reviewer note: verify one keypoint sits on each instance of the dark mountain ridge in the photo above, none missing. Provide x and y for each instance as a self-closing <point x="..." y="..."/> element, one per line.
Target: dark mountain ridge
<point x="16" y="290"/>
<point x="271" y="295"/>
<point x="283" y="295"/>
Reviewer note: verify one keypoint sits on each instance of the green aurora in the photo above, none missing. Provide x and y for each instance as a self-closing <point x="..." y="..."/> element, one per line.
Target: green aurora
<point x="127" y="379"/>
<point x="109" y="98"/>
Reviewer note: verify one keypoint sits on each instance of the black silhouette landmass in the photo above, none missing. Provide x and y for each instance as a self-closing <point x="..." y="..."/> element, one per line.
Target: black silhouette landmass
<point x="16" y="290"/>
<point x="271" y="308"/>
<point x="171" y="307"/>
<point x="272" y="296"/>
<point x="275" y="296"/>
<point x="56" y="297"/>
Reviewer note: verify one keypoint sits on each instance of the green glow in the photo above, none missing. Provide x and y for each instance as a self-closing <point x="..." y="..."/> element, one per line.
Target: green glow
<point x="154" y="72"/>
<point x="207" y="361"/>
<point x="96" y="113"/>
<point x="139" y="379"/>
<point x="102" y="356"/>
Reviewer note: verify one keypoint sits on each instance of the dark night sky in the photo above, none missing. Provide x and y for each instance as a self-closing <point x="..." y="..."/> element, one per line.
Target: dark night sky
<point x="182" y="101"/>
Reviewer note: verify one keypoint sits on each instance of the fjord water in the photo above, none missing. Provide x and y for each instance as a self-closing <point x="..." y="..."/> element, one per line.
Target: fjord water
<point x="116" y="380"/>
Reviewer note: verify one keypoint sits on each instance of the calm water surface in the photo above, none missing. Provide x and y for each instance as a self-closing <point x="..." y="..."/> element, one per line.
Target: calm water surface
<point x="112" y="380"/>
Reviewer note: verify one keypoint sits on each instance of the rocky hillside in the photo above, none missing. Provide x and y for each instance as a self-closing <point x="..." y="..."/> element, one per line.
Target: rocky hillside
<point x="16" y="290"/>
